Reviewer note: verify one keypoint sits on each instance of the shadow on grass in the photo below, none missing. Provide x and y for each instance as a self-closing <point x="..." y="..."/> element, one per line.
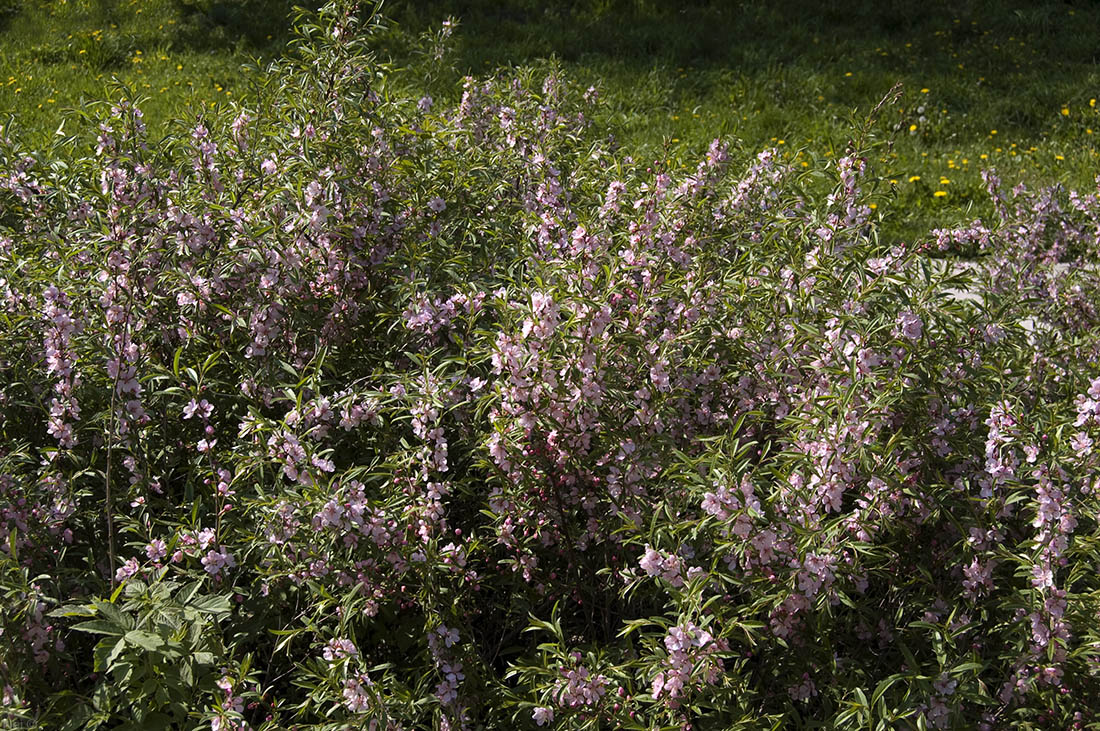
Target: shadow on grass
<point x="8" y="10"/>
<point x="1009" y="59"/>
<point x="105" y="35"/>
<point x="213" y="25"/>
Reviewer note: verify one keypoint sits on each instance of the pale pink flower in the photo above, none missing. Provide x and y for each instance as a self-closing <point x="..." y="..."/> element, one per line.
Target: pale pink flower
<point x="156" y="550"/>
<point x="910" y="325"/>
<point x="215" y="562"/>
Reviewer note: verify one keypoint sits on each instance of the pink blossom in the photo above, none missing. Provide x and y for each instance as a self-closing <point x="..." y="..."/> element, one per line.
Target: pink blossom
<point x="127" y="569"/>
<point x="203" y="408"/>
<point x="543" y="715"/>
<point x="910" y="325"/>
<point x="156" y="550"/>
<point x="338" y="649"/>
<point x="1081" y="444"/>
<point x="356" y="693"/>
<point x="216" y="562"/>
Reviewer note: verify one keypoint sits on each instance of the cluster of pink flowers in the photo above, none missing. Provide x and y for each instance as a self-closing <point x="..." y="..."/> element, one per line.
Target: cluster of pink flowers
<point x="357" y="694"/>
<point x="61" y="363"/>
<point x="216" y="563"/>
<point x="691" y="653"/>
<point x="666" y="566"/>
<point x="579" y="687"/>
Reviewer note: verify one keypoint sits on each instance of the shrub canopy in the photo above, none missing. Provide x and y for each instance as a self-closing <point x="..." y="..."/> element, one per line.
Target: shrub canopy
<point x="355" y="409"/>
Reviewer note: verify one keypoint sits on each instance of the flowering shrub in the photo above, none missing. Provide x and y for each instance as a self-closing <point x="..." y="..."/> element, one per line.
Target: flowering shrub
<point x="353" y="409"/>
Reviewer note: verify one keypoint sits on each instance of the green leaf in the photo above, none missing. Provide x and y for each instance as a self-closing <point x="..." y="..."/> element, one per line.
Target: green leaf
<point x="966" y="667"/>
<point x="106" y="652"/>
<point x="73" y="610"/>
<point x="187" y="674"/>
<point x="145" y="640"/>
<point x="114" y="614"/>
<point x="77" y="715"/>
<point x="188" y="593"/>
<point x="100" y="626"/>
<point x="212" y="604"/>
<point x="882" y="687"/>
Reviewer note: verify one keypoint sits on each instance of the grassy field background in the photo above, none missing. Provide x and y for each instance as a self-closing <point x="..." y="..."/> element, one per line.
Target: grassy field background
<point x="176" y="54"/>
<point x="1011" y="85"/>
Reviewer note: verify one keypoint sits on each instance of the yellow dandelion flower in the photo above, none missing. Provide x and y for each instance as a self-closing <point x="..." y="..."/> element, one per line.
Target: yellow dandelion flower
<point x="914" y="178"/>
<point x="924" y="91"/>
<point x="1065" y="111"/>
<point x="940" y="194"/>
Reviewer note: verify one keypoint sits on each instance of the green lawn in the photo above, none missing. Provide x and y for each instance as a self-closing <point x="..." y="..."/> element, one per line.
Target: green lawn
<point x="985" y="83"/>
<point x="57" y="54"/>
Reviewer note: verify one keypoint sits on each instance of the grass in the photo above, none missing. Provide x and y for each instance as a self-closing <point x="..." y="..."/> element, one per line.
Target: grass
<point x="986" y="83"/>
<point x="58" y="54"/>
<point x="1011" y="85"/>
